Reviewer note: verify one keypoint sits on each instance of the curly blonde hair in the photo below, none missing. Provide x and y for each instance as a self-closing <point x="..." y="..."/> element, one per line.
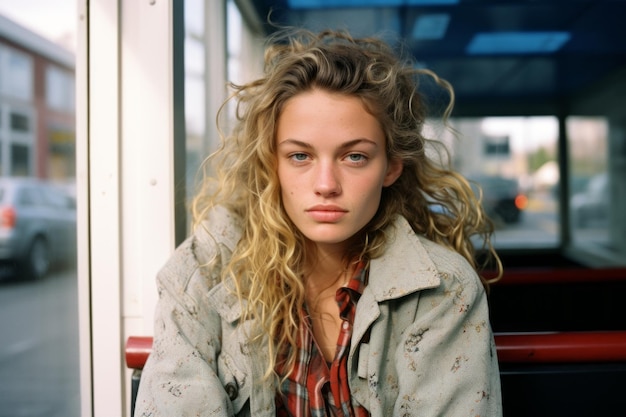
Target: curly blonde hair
<point x="267" y="263"/>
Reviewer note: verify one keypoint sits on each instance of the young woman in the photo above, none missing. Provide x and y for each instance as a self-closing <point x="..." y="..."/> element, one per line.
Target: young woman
<point x="331" y="271"/>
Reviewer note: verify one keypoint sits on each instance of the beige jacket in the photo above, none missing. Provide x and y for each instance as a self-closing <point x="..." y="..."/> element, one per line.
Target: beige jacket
<point x="430" y="351"/>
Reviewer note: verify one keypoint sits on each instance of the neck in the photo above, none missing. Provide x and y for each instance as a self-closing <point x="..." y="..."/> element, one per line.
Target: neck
<point x="325" y="269"/>
<point x="328" y="266"/>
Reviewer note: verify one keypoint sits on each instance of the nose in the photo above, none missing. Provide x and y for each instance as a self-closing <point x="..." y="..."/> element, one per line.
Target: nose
<point x="326" y="182"/>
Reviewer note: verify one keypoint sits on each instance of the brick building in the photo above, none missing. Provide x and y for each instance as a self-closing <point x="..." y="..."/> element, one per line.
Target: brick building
<point x="37" y="105"/>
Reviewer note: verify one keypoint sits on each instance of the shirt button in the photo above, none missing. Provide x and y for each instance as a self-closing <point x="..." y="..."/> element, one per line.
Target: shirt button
<point x="346" y="325"/>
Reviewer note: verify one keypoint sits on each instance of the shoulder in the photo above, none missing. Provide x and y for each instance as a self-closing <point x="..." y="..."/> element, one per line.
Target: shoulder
<point x="446" y="259"/>
<point x="455" y="272"/>
<point x="218" y="232"/>
<point x="412" y="262"/>
<point x="201" y="256"/>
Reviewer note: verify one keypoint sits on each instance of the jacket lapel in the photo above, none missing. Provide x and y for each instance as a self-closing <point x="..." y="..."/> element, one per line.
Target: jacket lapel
<point x="403" y="269"/>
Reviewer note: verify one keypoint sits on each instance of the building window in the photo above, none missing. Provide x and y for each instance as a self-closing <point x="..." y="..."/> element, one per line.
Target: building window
<point x="59" y="89"/>
<point x="20" y="160"/>
<point x="62" y="153"/>
<point x="20" y="123"/>
<point x="17" y="74"/>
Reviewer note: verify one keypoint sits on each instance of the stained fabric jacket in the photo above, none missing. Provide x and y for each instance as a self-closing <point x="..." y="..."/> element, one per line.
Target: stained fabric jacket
<point x="429" y="349"/>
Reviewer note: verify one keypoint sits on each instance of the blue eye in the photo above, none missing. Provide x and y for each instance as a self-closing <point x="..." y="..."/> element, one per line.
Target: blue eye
<point x="356" y="157"/>
<point x="299" y="157"/>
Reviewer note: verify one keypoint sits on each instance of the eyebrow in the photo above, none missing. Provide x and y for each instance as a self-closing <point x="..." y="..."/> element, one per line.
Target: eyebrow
<point x="344" y="145"/>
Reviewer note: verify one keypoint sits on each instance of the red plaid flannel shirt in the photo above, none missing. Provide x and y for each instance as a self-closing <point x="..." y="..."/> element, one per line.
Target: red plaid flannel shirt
<point x="312" y="388"/>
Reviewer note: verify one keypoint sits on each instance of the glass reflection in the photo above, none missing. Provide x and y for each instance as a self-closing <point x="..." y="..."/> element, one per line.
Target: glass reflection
<point x="514" y="161"/>
<point x="589" y="181"/>
<point x="39" y="368"/>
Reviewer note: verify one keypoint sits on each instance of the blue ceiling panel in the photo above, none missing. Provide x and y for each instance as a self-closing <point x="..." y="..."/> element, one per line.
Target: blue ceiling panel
<point x="490" y="50"/>
<point x="330" y="4"/>
<point x="517" y="43"/>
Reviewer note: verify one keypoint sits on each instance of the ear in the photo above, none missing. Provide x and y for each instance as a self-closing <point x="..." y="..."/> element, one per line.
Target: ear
<point x="394" y="170"/>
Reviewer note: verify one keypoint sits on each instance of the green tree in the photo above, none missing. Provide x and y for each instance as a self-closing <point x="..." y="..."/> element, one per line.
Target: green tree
<point x="539" y="157"/>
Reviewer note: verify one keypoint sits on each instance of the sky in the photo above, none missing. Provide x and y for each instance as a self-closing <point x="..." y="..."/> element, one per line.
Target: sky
<point x="52" y="19"/>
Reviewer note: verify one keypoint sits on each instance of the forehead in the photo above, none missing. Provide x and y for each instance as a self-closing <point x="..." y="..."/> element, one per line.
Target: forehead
<point x="318" y="113"/>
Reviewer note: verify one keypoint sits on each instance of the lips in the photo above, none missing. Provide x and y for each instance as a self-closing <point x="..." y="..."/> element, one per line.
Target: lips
<point x="326" y="213"/>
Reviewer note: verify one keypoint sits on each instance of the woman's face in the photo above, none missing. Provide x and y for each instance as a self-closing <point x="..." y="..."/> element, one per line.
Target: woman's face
<point x="332" y="165"/>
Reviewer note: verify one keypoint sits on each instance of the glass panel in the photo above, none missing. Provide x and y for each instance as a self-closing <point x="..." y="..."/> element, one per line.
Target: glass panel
<point x="207" y="68"/>
<point x="235" y="69"/>
<point x="589" y="181"/>
<point x="195" y="92"/>
<point x="27" y="197"/>
<point x="39" y="360"/>
<point x="514" y="160"/>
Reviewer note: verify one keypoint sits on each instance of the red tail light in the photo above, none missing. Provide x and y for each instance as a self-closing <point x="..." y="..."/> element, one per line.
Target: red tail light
<point x="7" y="217"/>
<point x="521" y="201"/>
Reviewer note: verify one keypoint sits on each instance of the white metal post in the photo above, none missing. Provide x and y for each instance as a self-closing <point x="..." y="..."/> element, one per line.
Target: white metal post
<point x="82" y="209"/>
<point x="129" y="146"/>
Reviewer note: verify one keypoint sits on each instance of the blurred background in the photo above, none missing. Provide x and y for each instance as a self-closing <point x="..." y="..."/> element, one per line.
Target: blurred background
<point x="539" y="90"/>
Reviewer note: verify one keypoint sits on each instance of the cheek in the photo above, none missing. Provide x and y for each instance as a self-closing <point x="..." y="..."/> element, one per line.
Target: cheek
<point x="288" y="194"/>
<point x="285" y="185"/>
<point x="373" y="186"/>
<point x="284" y="172"/>
<point x="374" y="196"/>
<point x="282" y="183"/>
<point x="288" y="183"/>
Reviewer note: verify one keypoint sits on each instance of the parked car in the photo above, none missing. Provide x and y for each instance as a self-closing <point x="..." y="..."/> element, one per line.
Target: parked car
<point x="37" y="225"/>
<point x="502" y="198"/>
<point x="591" y="206"/>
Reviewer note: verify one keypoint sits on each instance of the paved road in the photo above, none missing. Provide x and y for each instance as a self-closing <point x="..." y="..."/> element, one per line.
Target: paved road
<point x="39" y="373"/>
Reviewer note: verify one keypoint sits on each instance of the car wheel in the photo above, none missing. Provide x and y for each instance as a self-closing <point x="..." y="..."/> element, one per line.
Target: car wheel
<point x="38" y="259"/>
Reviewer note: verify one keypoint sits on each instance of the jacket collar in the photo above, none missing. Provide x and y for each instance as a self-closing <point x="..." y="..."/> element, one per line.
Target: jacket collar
<point x="404" y="267"/>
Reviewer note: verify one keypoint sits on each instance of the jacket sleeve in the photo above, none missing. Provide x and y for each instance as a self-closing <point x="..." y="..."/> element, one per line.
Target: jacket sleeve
<point x="447" y="361"/>
<point x="180" y="376"/>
